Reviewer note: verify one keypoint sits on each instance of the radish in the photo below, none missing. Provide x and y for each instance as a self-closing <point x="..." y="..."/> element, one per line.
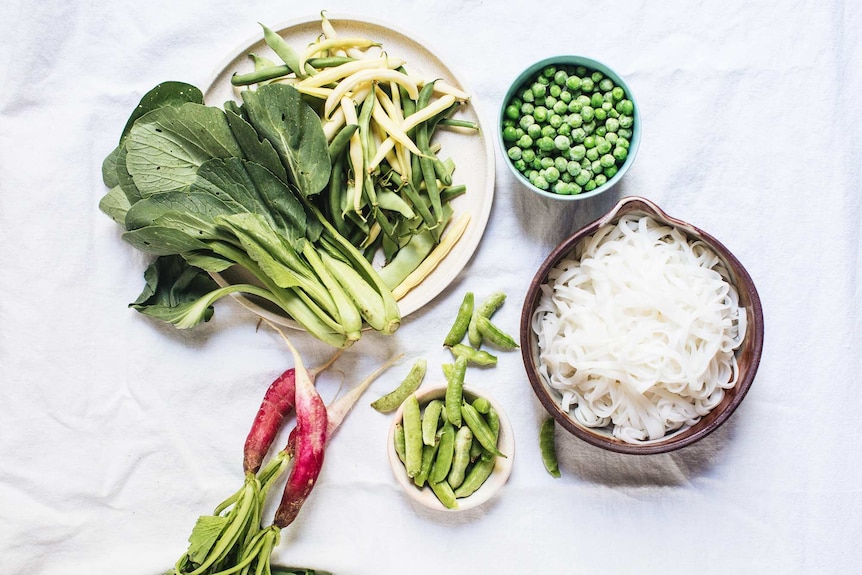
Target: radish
<point x="277" y="404"/>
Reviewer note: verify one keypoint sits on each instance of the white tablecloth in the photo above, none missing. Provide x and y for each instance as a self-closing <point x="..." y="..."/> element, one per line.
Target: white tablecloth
<point x="117" y="432"/>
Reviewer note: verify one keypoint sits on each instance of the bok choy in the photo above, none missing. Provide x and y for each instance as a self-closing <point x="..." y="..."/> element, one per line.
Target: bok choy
<point x="204" y="189"/>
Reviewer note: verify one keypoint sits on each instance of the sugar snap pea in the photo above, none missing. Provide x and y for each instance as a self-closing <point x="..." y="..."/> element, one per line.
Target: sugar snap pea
<point x="399" y="442"/>
<point x="445" y="452"/>
<point x="547" y="446"/>
<point x="494" y="335"/>
<point x="430" y="421"/>
<point x="455" y="391"/>
<point x="462" y="321"/>
<point x="412" y="436"/>
<point x="477" y="476"/>
<point x="480" y="428"/>
<point x="428" y="454"/>
<point x="411" y="383"/>
<point x="461" y="457"/>
<point x="486" y="309"/>
<point x="474" y="356"/>
<point x="445" y="494"/>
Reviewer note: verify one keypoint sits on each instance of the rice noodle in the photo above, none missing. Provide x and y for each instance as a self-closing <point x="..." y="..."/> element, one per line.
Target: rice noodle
<point x="637" y="329"/>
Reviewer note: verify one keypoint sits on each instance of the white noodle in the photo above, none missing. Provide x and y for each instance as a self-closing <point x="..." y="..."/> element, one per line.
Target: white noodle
<point x="637" y="330"/>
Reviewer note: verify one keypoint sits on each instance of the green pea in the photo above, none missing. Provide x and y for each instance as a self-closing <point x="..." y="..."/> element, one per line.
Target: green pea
<point x="551" y="176"/>
<point x="560" y="107"/>
<point x="596" y="100"/>
<point x="587" y="113"/>
<point x="560" y="188"/>
<point x="539" y="90"/>
<point x="611" y="171"/>
<point x="550" y="101"/>
<point x="575" y="106"/>
<point x="573" y="168"/>
<point x="520" y="165"/>
<point x="526" y="121"/>
<point x="578" y="152"/>
<point x="564" y="129"/>
<point x="592" y="155"/>
<point x="548" y="131"/>
<point x="545" y="144"/>
<point x="512" y="112"/>
<point x="562" y="142"/>
<point x="612" y="137"/>
<point x="597" y="166"/>
<point x="590" y="186"/>
<point x="527" y="96"/>
<point x="535" y="131"/>
<point x="525" y="142"/>
<point x="612" y="124"/>
<point x="540" y="114"/>
<point x="625" y="107"/>
<point x="583" y="177"/>
<point x="620" y="153"/>
<point x="555" y="121"/>
<point x="574" y="189"/>
<point x="600" y="115"/>
<point x="573" y="83"/>
<point x="555" y="90"/>
<point x="590" y="142"/>
<point x="482" y="405"/>
<point x="606" y="85"/>
<point x="601" y="179"/>
<point x="607" y="160"/>
<point x="527" y="109"/>
<point x="561" y="77"/>
<point x="509" y="134"/>
<point x="618" y="93"/>
<point x="514" y="153"/>
<point x="587" y="84"/>
<point x="578" y="135"/>
<point x="565" y="97"/>
<point x="528" y="155"/>
<point x="596" y="76"/>
<point x="561" y="163"/>
<point x="549" y="71"/>
<point x="544" y="164"/>
<point x="603" y="146"/>
<point x="575" y="120"/>
<point x="626" y="121"/>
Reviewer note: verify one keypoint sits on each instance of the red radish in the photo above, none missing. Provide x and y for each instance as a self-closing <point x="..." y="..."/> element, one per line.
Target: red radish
<point x="306" y="443"/>
<point x="277" y="404"/>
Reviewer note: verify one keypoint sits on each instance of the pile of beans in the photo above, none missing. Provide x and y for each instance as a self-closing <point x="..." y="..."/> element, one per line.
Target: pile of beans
<point x="568" y="129"/>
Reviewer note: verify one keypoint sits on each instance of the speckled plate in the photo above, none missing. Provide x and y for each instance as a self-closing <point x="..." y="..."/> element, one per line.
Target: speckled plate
<point x="473" y="155"/>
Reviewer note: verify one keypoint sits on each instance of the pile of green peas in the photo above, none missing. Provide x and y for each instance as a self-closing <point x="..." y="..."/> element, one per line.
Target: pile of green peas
<point x="568" y="129"/>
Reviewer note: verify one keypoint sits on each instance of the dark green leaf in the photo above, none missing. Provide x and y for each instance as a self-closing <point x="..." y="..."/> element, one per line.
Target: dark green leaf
<point x="255" y="149"/>
<point x="173" y="291"/>
<point x="115" y="204"/>
<point x="164" y="94"/>
<point x="278" y="113"/>
<point x="166" y="147"/>
<point x="109" y="169"/>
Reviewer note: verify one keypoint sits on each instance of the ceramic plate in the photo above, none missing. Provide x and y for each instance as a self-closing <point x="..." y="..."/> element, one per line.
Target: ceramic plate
<point x="473" y="154"/>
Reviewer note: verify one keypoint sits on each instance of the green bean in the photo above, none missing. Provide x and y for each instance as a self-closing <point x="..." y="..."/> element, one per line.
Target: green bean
<point x="400" y="446"/>
<point x="412" y="436"/>
<point x="462" y="320"/>
<point x="411" y="383"/>
<point x="455" y="391"/>
<point x="428" y="453"/>
<point x="445" y="494"/>
<point x="482" y="405"/>
<point x="461" y="457"/>
<point x="459" y="123"/>
<point x="329" y="61"/>
<point x="284" y="51"/>
<point x="452" y="192"/>
<point x="260" y="75"/>
<point x="445" y="453"/>
<point x="485" y="309"/>
<point x="494" y="335"/>
<point x="474" y="356"/>
<point x="430" y="420"/>
<point x="341" y="140"/>
<point x="441" y="170"/>
<point x="480" y="428"/>
<point x="477" y="476"/>
<point x="547" y="446"/>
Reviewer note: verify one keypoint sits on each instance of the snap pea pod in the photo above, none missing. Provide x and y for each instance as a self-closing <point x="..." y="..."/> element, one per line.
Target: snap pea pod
<point x="412" y="436"/>
<point x="400" y="446"/>
<point x="411" y="383"/>
<point x="462" y="321"/>
<point x="461" y="457"/>
<point x="474" y="356"/>
<point x="485" y="309"/>
<point x="286" y="52"/>
<point x="445" y="494"/>
<point x="475" y="449"/>
<point x="477" y="476"/>
<point x="455" y="391"/>
<point x="482" y="405"/>
<point x="547" y="446"/>
<point x="480" y="428"/>
<point x="428" y="454"/>
<point x="493" y="419"/>
<point x="260" y="75"/>
<point x="430" y="421"/>
<point x="445" y="453"/>
<point x="494" y="335"/>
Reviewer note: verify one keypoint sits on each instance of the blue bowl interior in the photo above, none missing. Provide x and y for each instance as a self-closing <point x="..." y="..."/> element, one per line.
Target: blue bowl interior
<point x="591" y="64"/>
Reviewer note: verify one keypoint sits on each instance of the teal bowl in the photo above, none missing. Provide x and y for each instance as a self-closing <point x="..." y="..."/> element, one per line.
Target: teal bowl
<point x="526" y="79"/>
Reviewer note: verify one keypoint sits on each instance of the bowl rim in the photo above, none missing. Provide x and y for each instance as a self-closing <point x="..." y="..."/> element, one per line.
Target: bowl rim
<point x="502" y="467"/>
<point x="680" y="438"/>
<point x="577" y="60"/>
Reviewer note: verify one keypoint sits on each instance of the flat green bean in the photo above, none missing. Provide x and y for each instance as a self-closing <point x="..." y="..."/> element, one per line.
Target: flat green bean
<point x="412" y="436"/>
<point x="455" y="391"/>
<point x="411" y="383"/>
<point x="461" y="457"/>
<point x="547" y="446"/>
<point x="462" y="321"/>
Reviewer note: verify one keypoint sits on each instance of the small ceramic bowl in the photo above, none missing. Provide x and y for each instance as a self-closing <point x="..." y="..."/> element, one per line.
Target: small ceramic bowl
<point x="526" y="78"/>
<point x="748" y="355"/>
<point x="502" y="468"/>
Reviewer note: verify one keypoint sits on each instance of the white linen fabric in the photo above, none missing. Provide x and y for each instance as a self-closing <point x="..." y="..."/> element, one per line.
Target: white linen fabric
<point x="116" y="432"/>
